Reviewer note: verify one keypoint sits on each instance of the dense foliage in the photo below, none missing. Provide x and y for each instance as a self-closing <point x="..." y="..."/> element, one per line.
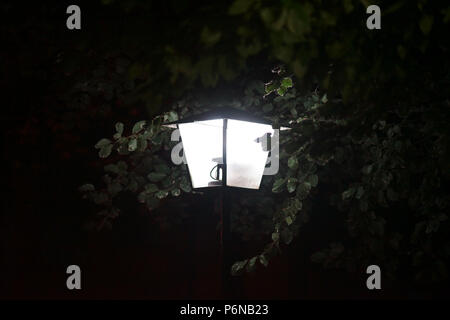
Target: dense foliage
<point x="387" y="177"/>
<point x="369" y="112"/>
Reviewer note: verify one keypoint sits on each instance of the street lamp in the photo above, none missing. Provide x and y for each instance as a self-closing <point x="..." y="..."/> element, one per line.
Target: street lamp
<point x="225" y="147"/>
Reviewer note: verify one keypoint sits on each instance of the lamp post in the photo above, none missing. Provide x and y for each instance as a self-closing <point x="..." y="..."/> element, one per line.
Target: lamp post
<point x="225" y="148"/>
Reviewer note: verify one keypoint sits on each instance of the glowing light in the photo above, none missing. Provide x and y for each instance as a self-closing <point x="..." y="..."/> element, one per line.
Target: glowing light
<point x="245" y="157"/>
<point x="202" y="145"/>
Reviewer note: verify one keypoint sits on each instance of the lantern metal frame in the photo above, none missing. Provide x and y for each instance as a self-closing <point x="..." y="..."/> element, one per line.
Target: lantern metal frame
<point x="224" y="113"/>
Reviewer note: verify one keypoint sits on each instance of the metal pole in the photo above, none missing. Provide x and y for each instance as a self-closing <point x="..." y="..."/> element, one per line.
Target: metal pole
<point x="224" y="154"/>
<point x="225" y="221"/>
<point x="226" y="245"/>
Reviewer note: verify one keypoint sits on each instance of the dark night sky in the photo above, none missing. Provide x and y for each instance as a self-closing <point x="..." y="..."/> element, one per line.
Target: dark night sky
<point x="43" y="214"/>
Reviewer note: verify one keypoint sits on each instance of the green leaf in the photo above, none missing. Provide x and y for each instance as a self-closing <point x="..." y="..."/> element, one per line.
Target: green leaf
<point x="291" y="184"/>
<point x="164" y="168"/>
<point x="297" y="204"/>
<point x="161" y="194"/>
<point x="307" y="185"/>
<point x="294" y="112"/>
<point x="363" y="205"/>
<point x="426" y="23"/>
<point x="175" y="192"/>
<point x="270" y="87"/>
<point x="267" y="15"/>
<point x="105" y="151"/>
<point x="147" y="133"/>
<point x="102" y="143"/>
<point x="151" y="202"/>
<point x="132" y="145"/>
<point x="251" y="264"/>
<point x="122" y="149"/>
<point x="275" y="236"/>
<point x="239" y="7"/>
<point x="432" y="226"/>
<point x="347" y="194"/>
<point x="142" y="197"/>
<point x="278" y="185"/>
<point x="287" y="236"/>
<point x="367" y="169"/>
<point x="100" y="198"/>
<point x="263" y="260"/>
<point x="133" y="185"/>
<point x="139" y="126"/>
<point x="151" y="187"/>
<point x="86" y="187"/>
<point x="237" y="267"/>
<point x="156" y="176"/>
<point x="111" y="168"/>
<point x="288" y="220"/>
<point x="170" y="116"/>
<point x="359" y="192"/>
<point x="286" y="83"/>
<point x="142" y="144"/>
<point x="157" y="139"/>
<point x="293" y="162"/>
<point x="303" y="190"/>
<point x="281" y="91"/>
<point x="394" y="7"/>
<point x="313" y="180"/>
<point x="114" y="188"/>
<point x="168" y="182"/>
<point x="401" y="51"/>
<point x="446" y="13"/>
<point x="119" y="128"/>
<point x="185" y="185"/>
<point x="209" y="37"/>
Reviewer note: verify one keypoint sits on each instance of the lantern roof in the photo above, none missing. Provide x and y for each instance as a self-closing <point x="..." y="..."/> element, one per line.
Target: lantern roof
<point x="222" y="113"/>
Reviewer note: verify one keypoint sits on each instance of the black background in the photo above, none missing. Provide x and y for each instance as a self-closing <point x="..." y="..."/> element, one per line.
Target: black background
<point x="43" y="214"/>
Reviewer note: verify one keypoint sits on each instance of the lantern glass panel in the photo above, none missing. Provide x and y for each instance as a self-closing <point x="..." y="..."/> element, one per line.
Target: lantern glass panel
<point x="246" y="158"/>
<point x="202" y="145"/>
